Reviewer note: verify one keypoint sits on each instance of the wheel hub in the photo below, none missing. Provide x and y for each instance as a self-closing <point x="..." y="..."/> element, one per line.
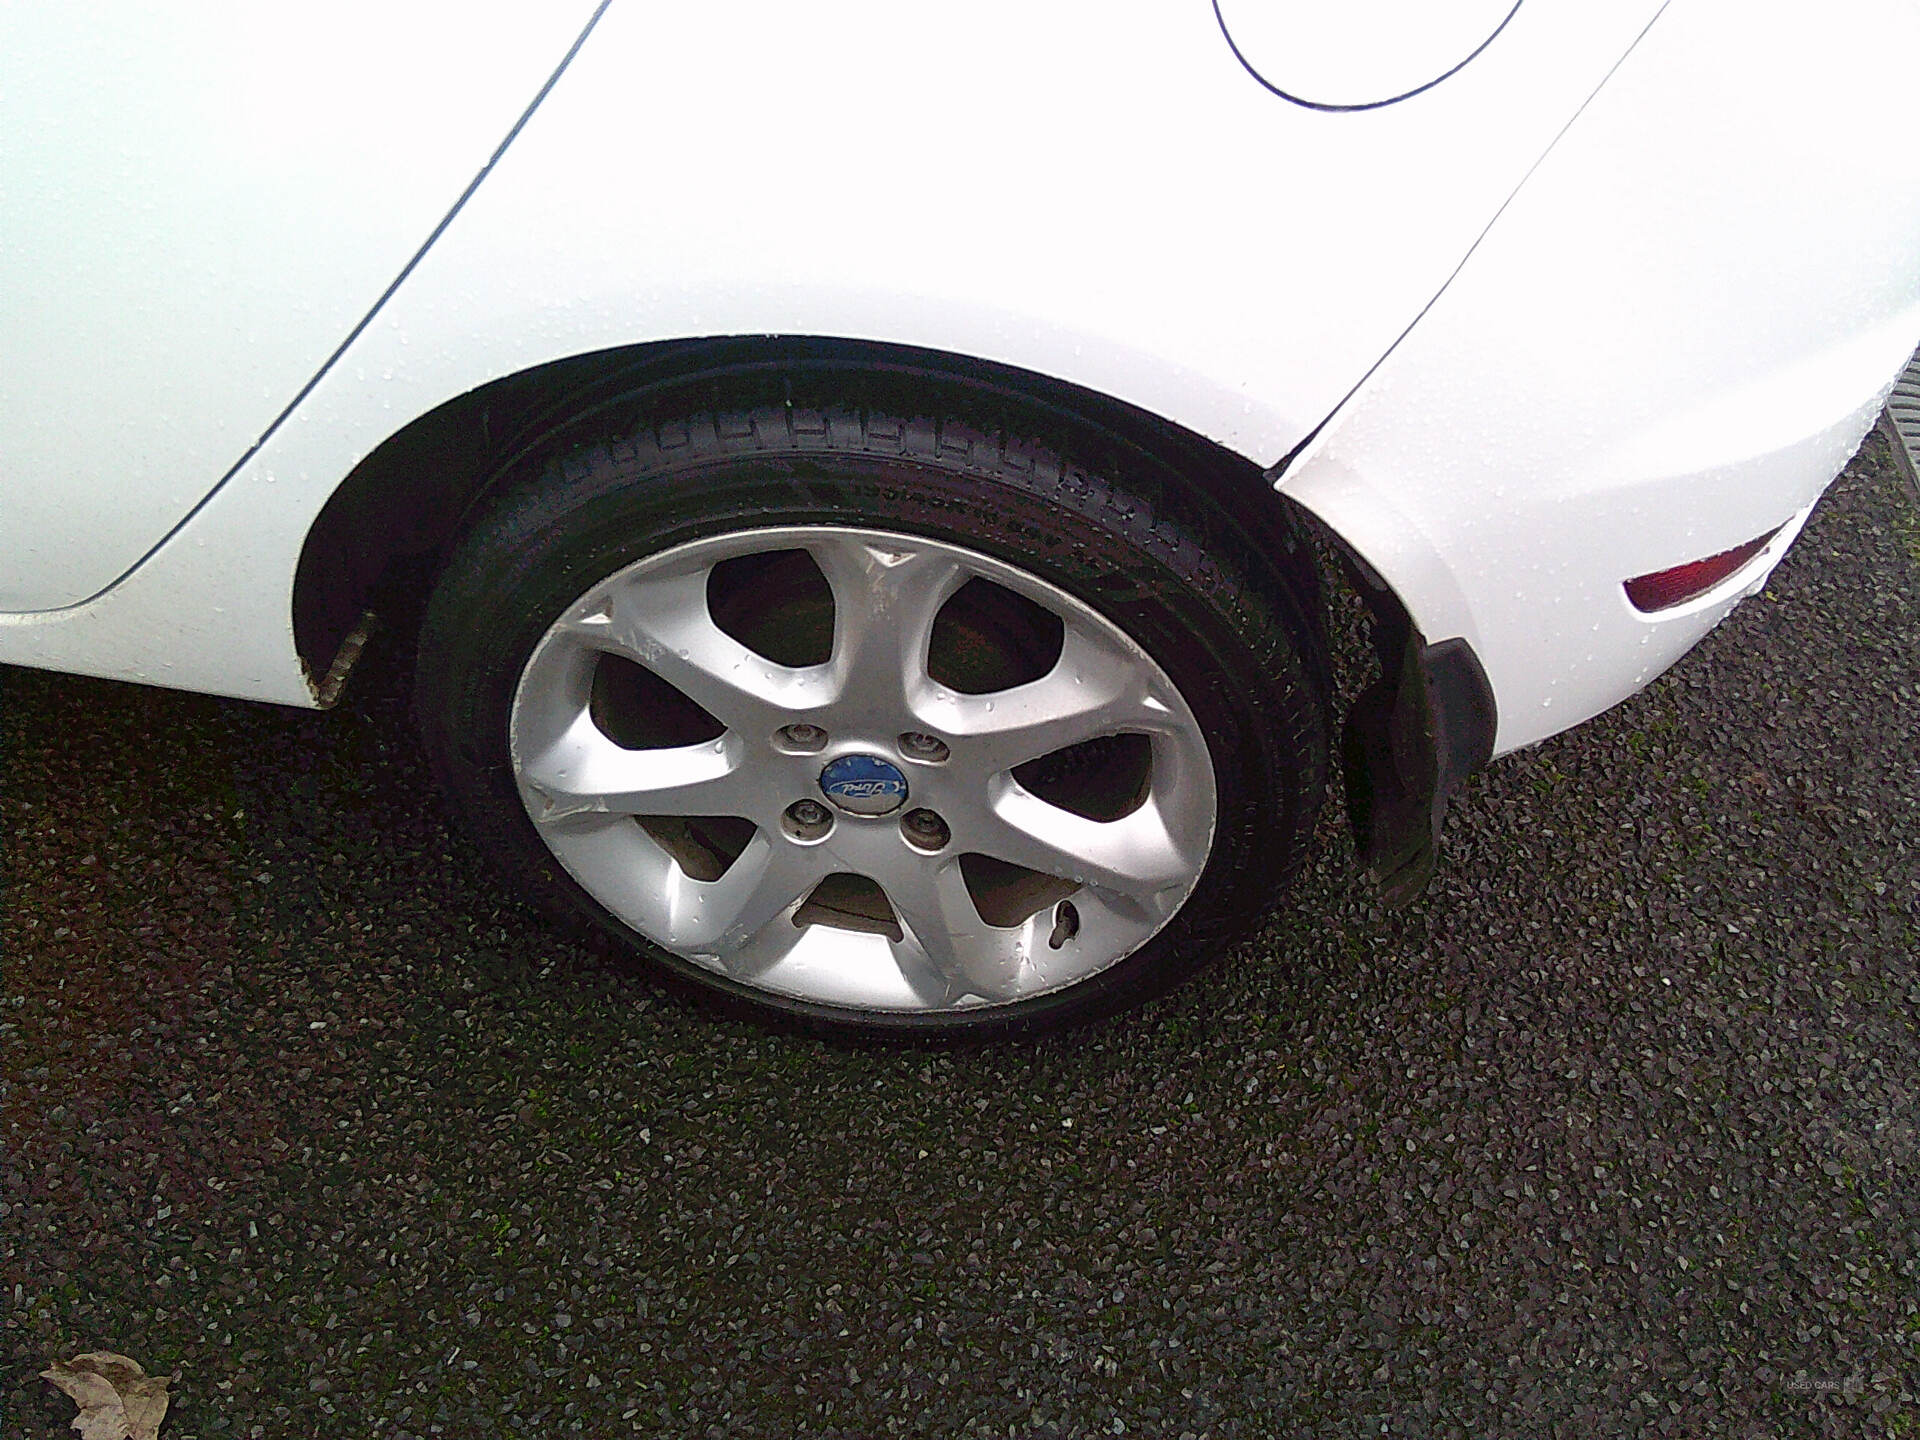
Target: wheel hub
<point x="864" y="785"/>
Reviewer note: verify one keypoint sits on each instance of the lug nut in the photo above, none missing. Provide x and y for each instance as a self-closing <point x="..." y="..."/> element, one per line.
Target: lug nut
<point x="807" y="820"/>
<point x="918" y="746"/>
<point x="802" y="737"/>
<point x="925" y="830"/>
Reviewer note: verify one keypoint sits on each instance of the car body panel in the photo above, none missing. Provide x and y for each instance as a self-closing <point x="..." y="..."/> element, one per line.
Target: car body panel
<point x="1656" y="342"/>
<point x="201" y="201"/>
<point x="1651" y="358"/>
<point x="1131" y="253"/>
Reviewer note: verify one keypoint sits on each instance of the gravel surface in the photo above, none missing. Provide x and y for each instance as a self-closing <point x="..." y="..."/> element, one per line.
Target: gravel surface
<point x="1612" y="1134"/>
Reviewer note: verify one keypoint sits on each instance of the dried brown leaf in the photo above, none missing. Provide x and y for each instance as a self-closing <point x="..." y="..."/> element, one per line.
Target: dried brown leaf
<point x="118" y="1400"/>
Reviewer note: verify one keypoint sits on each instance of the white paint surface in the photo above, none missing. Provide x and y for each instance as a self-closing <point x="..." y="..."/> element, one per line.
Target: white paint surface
<point x="1671" y="342"/>
<point x="198" y="202"/>
<point x="1099" y="193"/>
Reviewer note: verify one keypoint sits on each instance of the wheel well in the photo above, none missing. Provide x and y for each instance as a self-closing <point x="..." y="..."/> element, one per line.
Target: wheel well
<point x="379" y="543"/>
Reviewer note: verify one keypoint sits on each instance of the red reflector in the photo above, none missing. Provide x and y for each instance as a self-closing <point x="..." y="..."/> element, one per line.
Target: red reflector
<point x="1665" y="589"/>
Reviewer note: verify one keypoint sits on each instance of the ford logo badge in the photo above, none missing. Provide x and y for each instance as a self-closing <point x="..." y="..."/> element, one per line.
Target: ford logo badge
<point x="864" y="785"/>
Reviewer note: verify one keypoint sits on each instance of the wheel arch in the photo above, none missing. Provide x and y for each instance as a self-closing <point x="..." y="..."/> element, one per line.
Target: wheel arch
<point x="379" y="541"/>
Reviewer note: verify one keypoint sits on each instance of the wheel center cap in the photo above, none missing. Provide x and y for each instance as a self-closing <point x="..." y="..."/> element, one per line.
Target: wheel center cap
<point x="864" y="785"/>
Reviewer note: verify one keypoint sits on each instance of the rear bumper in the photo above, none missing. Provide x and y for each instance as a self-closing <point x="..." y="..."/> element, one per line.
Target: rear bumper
<point x="1670" y="342"/>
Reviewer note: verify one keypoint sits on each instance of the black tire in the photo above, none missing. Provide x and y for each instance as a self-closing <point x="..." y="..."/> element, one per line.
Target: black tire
<point x="1223" y="624"/>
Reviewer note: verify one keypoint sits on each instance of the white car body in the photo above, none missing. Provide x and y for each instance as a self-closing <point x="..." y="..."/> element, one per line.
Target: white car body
<point x="1623" y="289"/>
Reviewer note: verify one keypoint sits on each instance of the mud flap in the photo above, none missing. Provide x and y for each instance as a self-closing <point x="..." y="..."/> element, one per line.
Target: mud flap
<point x="1411" y="740"/>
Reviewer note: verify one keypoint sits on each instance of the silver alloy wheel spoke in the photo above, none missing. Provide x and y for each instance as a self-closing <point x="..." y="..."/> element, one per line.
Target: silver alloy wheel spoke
<point x="729" y="917"/>
<point x="941" y="924"/>
<point x="665" y="625"/>
<point x="1137" y="855"/>
<point x="885" y="600"/>
<point x="584" y="772"/>
<point x="1094" y="689"/>
<point x="584" y="791"/>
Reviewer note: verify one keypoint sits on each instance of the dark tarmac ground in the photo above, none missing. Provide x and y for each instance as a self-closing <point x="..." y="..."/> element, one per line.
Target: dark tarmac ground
<point x="1614" y="1133"/>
